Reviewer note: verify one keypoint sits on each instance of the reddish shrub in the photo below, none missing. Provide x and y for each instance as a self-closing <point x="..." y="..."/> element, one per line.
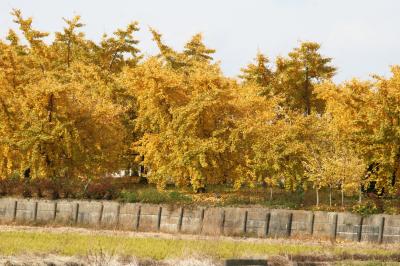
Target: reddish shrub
<point x="101" y="189"/>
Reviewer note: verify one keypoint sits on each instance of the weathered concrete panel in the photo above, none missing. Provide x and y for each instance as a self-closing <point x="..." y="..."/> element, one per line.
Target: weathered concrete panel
<point x="7" y="209"/>
<point x="66" y="212"/>
<point x="89" y="212"/>
<point x="46" y="210"/>
<point x="26" y="211"/>
<point x="280" y="223"/>
<point x="324" y="224"/>
<point x="192" y="220"/>
<point x="110" y="214"/>
<point x="129" y="216"/>
<point x="235" y="219"/>
<point x="213" y="221"/>
<point x="302" y="223"/>
<point x="149" y="218"/>
<point x="348" y="226"/>
<point x="170" y="219"/>
<point x="257" y="222"/>
<point x="371" y="228"/>
<point x="391" y="232"/>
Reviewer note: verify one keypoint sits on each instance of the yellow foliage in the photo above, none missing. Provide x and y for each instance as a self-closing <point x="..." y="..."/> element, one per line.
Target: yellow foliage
<point x="73" y="107"/>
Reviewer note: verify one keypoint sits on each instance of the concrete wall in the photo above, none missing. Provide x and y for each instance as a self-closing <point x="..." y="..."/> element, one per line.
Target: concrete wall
<point x="251" y="221"/>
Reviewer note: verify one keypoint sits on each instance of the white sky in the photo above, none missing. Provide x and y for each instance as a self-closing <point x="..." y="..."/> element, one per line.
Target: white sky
<point x="363" y="36"/>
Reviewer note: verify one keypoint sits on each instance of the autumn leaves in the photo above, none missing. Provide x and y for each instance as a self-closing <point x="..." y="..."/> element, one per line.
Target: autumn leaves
<point x="76" y="108"/>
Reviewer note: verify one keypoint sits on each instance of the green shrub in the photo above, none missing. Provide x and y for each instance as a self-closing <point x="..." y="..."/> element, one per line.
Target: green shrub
<point x="152" y="195"/>
<point x="391" y="210"/>
<point x="366" y="208"/>
<point x="175" y="196"/>
<point x="128" y="196"/>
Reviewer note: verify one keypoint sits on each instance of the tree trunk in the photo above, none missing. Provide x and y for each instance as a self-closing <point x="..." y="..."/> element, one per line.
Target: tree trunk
<point x="307" y="94"/>
<point x="68" y="53"/>
<point x="342" y="197"/>
<point x="360" y="196"/>
<point x="270" y="193"/>
<point x="317" y="194"/>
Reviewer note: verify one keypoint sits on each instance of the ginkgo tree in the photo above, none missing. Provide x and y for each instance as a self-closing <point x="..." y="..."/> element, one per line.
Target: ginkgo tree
<point x="58" y="119"/>
<point x="298" y="73"/>
<point x="71" y="107"/>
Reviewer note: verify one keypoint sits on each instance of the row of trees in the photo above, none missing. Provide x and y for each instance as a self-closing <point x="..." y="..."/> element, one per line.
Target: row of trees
<point x="72" y="107"/>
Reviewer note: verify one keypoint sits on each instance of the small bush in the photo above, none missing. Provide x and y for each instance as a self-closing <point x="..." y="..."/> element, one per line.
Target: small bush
<point x="101" y="189"/>
<point x="391" y="210"/>
<point x="176" y="196"/>
<point x="128" y="196"/>
<point x="366" y="208"/>
<point x="9" y="185"/>
<point x="152" y="196"/>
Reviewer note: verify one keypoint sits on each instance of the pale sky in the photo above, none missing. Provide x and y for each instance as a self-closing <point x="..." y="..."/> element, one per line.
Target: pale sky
<point x="362" y="36"/>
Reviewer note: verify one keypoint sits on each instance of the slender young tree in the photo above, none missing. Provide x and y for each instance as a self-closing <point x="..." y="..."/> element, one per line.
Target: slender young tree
<point x="298" y="74"/>
<point x="259" y="73"/>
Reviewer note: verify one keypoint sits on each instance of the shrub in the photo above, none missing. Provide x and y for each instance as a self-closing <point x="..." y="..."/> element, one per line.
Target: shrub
<point x="366" y="208"/>
<point x="128" y="196"/>
<point x="152" y="195"/>
<point x="101" y="189"/>
<point x="10" y="185"/>
<point x="176" y="196"/>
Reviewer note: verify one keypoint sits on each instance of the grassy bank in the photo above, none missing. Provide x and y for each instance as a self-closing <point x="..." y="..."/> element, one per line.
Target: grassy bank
<point x="71" y="244"/>
<point x="222" y="195"/>
<point x="130" y="190"/>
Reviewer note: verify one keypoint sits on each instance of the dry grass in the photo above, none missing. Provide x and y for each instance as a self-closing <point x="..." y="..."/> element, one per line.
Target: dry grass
<point x="106" y="245"/>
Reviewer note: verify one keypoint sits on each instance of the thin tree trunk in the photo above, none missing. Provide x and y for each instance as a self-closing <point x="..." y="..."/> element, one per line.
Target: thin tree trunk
<point x="270" y="193"/>
<point x="317" y="194"/>
<point x="342" y="196"/>
<point x="360" y="196"/>
<point x="307" y="94"/>
<point x="68" y="53"/>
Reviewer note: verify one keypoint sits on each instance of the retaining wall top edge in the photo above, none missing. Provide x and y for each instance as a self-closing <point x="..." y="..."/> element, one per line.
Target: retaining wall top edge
<point x="192" y="207"/>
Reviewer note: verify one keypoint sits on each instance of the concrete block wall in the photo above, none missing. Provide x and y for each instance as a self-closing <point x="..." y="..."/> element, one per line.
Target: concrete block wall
<point x="302" y="223"/>
<point x="129" y="216"/>
<point x="257" y="222"/>
<point x="391" y="229"/>
<point x="215" y="221"/>
<point x="89" y="212"/>
<point x="150" y="218"/>
<point x="110" y="214"/>
<point x="8" y="208"/>
<point x="192" y="220"/>
<point x="66" y="212"/>
<point x="46" y="211"/>
<point x="349" y="226"/>
<point x="26" y="210"/>
<point x="235" y="220"/>
<point x="324" y="224"/>
<point x="372" y="228"/>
